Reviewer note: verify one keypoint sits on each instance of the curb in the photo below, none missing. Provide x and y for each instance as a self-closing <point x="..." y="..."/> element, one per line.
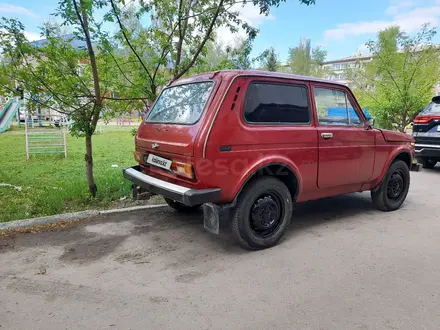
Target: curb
<point x="74" y="216"/>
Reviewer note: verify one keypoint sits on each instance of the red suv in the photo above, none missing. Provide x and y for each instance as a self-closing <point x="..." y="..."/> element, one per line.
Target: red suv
<point x="247" y="145"/>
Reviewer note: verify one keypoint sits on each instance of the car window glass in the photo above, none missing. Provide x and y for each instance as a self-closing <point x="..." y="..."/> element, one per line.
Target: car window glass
<point x="334" y="108"/>
<point x="181" y="104"/>
<point x="331" y="106"/>
<point x="276" y="103"/>
<point x="355" y="120"/>
<point x="431" y="108"/>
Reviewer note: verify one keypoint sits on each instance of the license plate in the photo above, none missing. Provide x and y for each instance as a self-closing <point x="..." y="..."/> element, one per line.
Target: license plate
<point x="159" y="161"/>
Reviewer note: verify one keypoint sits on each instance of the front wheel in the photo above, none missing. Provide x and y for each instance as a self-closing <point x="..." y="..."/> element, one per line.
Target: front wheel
<point x="262" y="213"/>
<point x="180" y="207"/>
<point x="392" y="192"/>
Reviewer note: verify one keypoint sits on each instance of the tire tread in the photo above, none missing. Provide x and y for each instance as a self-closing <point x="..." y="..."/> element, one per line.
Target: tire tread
<point x="379" y="196"/>
<point x="255" y="184"/>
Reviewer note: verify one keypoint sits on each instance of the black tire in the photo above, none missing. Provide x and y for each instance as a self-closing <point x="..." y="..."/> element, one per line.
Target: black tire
<point x="428" y="163"/>
<point x="392" y="191"/>
<point x="262" y="213"/>
<point x="181" y="207"/>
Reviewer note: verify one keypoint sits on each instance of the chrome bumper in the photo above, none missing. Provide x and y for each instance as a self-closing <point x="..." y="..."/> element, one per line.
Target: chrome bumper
<point x="184" y="195"/>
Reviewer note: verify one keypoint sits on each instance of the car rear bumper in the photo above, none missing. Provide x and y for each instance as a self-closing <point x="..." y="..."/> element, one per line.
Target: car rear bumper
<point x="184" y="195"/>
<point x="427" y="150"/>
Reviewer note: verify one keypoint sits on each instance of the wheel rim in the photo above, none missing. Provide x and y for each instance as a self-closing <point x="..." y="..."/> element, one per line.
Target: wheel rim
<point x="266" y="214"/>
<point x="396" y="185"/>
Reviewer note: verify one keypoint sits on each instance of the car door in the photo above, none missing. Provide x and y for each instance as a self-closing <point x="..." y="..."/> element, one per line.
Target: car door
<point x="346" y="146"/>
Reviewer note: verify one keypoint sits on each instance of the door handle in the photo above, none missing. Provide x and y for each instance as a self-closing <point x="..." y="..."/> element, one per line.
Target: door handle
<point x="327" y="135"/>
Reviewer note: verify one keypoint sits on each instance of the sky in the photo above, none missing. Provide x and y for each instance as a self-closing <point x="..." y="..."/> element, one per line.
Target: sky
<point x="341" y="27"/>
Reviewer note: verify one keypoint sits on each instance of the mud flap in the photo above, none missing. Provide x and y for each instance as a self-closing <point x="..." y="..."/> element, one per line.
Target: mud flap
<point x="416" y="167"/>
<point x="211" y="218"/>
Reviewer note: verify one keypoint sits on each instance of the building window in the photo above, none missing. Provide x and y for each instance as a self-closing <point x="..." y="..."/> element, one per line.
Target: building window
<point x="343" y="66"/>
<point x="342" y="76"/>
<point x="336" y="66"/>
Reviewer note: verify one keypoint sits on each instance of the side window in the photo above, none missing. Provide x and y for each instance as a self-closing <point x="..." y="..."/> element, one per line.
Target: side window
<point x="276" y="103"/>
<point x="355" y="120"/>
<point x="334" y="108"/>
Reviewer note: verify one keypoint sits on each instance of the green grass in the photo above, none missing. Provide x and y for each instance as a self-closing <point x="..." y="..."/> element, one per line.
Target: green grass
<point x="51" y="184"/>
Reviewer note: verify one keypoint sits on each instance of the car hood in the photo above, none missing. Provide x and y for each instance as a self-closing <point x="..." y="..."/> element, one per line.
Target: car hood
<point x="393" y="136"/>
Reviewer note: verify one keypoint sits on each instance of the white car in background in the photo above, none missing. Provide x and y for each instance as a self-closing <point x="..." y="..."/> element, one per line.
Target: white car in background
<point x="22" y="117"/>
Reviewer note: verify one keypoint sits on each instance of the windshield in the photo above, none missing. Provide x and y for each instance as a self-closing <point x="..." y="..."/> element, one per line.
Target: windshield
<point x="182" y="104"/>
<point x="431" y="108"/>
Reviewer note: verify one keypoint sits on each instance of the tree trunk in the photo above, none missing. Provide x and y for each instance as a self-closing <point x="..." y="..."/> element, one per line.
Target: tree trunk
<point x="81" y="14"/>
<point x="89" y="166"/>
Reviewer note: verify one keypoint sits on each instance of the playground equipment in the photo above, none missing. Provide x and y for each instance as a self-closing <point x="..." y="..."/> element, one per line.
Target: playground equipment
<point x="342" y="112"/>
<point x="8" y="112"/>
<point x="45" y="135"/>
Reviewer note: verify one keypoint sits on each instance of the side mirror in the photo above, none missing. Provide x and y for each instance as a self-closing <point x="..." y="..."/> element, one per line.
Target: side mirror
<point x="370" y="122"/>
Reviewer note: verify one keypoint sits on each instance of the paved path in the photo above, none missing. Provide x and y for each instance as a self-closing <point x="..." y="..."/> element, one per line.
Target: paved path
<point x="342" y="265"/>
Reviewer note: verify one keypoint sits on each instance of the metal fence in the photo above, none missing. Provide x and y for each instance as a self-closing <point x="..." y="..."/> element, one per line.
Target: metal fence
<point x="45" y="135"/>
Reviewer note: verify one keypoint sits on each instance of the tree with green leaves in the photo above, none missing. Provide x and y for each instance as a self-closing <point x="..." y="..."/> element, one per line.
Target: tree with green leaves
<point x="181" y="29"/>
<point x="240" y="53"/>
<point x="269" y="60"/>
<point x="304" y="60"/>
<point x="399" y="81"/>
<point x="57" y="75"/>
<point x="103" y="77"/>
<point x="216" y="56"/>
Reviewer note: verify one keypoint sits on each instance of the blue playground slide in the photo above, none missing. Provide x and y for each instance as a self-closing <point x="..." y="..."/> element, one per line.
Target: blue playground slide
<point x="7" y="114"/>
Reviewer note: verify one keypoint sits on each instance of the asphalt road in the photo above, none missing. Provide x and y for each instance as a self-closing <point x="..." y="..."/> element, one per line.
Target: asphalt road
<point x="342" y="265"/>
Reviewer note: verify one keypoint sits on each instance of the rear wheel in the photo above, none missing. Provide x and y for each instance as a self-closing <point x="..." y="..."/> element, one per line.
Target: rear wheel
<point x="428" y="162"/>
<point x="393" y="190"/>
<point x="180" y="207"/>
<point x="262" y="213"/>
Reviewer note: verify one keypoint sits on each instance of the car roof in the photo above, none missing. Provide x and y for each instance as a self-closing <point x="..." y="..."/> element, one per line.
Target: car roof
<point x="230" y="74"/>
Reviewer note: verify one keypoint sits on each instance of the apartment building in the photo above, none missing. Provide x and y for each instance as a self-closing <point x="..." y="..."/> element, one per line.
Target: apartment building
<point x="338" y="69"/>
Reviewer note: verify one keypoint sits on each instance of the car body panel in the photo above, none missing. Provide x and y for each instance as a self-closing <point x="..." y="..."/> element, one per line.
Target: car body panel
<point x="426" y="131"/>
<point x="226" y="151"/>
<point x="392" y="136"/>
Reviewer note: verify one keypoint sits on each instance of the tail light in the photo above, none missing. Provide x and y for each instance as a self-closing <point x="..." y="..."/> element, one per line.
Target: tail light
<point x="421" y="120"/>
<point x="137" y="156"/>
<point x="183" y="169"/>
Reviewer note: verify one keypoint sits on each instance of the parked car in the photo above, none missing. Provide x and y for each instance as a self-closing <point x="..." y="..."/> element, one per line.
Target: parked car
<point x="426" y="131"/>
<point x="61" y="120"/>
<point x="247" y="145"/>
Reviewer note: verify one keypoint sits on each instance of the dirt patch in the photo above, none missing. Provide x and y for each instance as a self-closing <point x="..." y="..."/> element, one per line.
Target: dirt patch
<point x="189" y="277"/>
<point x="134" y="257"/>
<point x="158" y="300"/>
<point x="41" y="228"/>
<point x="129" y="202"/>
<point x="91" y="250"/>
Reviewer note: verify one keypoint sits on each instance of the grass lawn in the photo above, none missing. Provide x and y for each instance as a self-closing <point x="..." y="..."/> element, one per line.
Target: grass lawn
<point x="51" y="184"/>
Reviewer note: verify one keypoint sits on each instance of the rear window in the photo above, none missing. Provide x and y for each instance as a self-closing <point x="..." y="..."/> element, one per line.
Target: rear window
<point x="182" y="104"/>
<point x="276" y="103"/>
<point x="431" y="108"/>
